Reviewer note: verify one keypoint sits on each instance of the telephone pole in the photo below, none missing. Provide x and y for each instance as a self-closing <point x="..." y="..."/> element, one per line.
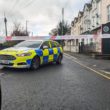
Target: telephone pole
<point x="5" y="21"/>
<point x="62" y="26"/>
<point x="26" y="27"/>
<point x="62" y="21"/>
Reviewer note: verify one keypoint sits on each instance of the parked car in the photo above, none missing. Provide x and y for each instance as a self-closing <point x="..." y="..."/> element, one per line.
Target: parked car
<point x="31" y="54"/>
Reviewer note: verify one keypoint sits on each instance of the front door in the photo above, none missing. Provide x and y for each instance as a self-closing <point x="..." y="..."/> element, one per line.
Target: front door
<point x="106" y="45"/>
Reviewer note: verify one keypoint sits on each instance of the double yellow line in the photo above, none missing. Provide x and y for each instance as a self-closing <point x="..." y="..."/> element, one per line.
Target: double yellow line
<point x="95" y="71"/>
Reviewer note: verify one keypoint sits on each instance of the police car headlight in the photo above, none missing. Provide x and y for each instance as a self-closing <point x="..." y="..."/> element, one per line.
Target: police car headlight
<point x="24" y="54"/>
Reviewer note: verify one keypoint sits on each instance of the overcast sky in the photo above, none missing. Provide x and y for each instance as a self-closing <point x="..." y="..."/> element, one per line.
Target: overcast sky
<point x="42" y="15"/>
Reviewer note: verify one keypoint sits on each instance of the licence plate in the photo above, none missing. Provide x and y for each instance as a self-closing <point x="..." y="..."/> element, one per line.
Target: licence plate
<point x="5" y="61"/>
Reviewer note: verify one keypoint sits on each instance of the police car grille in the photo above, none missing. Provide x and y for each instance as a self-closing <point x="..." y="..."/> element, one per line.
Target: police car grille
<point x="10" y="64"/>
<point x="7" y="57"/>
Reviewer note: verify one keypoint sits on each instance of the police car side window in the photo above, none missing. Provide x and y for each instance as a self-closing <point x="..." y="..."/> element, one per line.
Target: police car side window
<point x="53" y="44"/>
<point x="46" y="43"/>
<point x="57" y="44"/>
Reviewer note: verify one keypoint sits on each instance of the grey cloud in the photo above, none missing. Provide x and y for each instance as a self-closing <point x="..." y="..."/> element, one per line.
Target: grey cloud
<point x="43" y="15"/>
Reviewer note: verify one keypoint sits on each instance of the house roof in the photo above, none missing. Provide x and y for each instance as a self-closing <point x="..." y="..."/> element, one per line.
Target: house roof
<point x="72" y="23"/>
<point x="75" y="19"/>
<point x="89" y="5"/>
<point x="80" y="13"/>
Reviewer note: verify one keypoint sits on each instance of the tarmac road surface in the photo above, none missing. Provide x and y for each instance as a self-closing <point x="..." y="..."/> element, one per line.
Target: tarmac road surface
<point x="69" y="86"/>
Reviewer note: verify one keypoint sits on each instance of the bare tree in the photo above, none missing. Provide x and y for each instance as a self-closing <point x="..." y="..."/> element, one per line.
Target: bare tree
<point x="53" y="32"/>
<point x="61" y="29"/>
<point x="18" y="30"/>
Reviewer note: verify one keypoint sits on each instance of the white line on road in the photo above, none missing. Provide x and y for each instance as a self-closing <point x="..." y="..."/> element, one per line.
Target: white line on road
<point x="74" y="60"/>
<point x="1" y="67"/>
<point x="105" y="72"/>
<point x="1" y="74"/>
<point x="70" y="56"/>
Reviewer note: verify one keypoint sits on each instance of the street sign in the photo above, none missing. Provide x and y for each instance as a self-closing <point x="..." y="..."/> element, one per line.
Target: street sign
<point x="106" y="28"/>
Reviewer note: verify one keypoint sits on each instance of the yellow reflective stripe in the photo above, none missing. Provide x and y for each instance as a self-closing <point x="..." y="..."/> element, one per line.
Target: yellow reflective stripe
<point x="51" y="58"/>
<point x="55" y="50"/>
<point x="50" y="44"/>
<point x="41" y="60"/>
<point x="45" y="52"/>
<point x="61" y="50"/>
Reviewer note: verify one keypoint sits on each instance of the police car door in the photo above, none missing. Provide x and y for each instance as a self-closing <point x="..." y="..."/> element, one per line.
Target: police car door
<point x="45" y="49"/>
<point x="55" y="50"/>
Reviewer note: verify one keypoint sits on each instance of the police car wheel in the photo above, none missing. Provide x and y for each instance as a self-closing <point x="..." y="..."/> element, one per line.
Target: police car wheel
<point x="59" y="60"/>
<point x="35" y="63"/>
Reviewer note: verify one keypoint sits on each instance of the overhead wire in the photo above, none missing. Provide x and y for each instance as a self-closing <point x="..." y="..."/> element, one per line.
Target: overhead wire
<point x="29" y="3"/>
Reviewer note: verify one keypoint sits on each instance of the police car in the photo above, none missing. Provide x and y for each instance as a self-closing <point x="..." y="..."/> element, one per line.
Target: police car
<point x="31" y="54"/>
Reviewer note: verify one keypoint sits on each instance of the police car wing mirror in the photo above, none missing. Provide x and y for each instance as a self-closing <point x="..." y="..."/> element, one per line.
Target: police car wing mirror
<point x="45" y="47"/>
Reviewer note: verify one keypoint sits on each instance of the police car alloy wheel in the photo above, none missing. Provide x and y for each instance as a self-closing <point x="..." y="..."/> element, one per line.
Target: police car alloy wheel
<point x="35" y="63"/>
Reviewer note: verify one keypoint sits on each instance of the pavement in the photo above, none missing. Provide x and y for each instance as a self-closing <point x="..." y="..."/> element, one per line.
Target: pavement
<point x="101" y="65"/>
<point x="69" y="86"/>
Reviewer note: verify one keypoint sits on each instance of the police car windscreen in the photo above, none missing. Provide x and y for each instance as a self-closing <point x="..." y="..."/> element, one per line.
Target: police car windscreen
<point x="29" y="44"/>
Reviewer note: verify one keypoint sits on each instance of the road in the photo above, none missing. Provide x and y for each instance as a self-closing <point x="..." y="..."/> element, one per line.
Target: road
<point x="69" y="86"/>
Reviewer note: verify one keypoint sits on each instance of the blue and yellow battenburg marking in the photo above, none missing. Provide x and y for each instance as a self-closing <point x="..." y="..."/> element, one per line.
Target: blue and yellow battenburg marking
<point x="49" y="55"/>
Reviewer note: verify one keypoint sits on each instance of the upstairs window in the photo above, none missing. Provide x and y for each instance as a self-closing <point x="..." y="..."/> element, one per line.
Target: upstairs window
<point x="108" y="11"/>
<point x="94" y="4"/>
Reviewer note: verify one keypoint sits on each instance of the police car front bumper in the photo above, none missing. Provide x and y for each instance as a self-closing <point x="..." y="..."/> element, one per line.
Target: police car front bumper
<point x="14" y="64"/>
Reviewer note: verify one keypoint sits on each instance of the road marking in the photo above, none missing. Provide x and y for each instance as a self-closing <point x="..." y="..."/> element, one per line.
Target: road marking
<point x="94" y="65"/>
<point x="1" y="74"/>
<point x="105" y="72"/>
<point x="70" y="56"/>
<point x="67" y="56"/>
<point x="1" y="67"/>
